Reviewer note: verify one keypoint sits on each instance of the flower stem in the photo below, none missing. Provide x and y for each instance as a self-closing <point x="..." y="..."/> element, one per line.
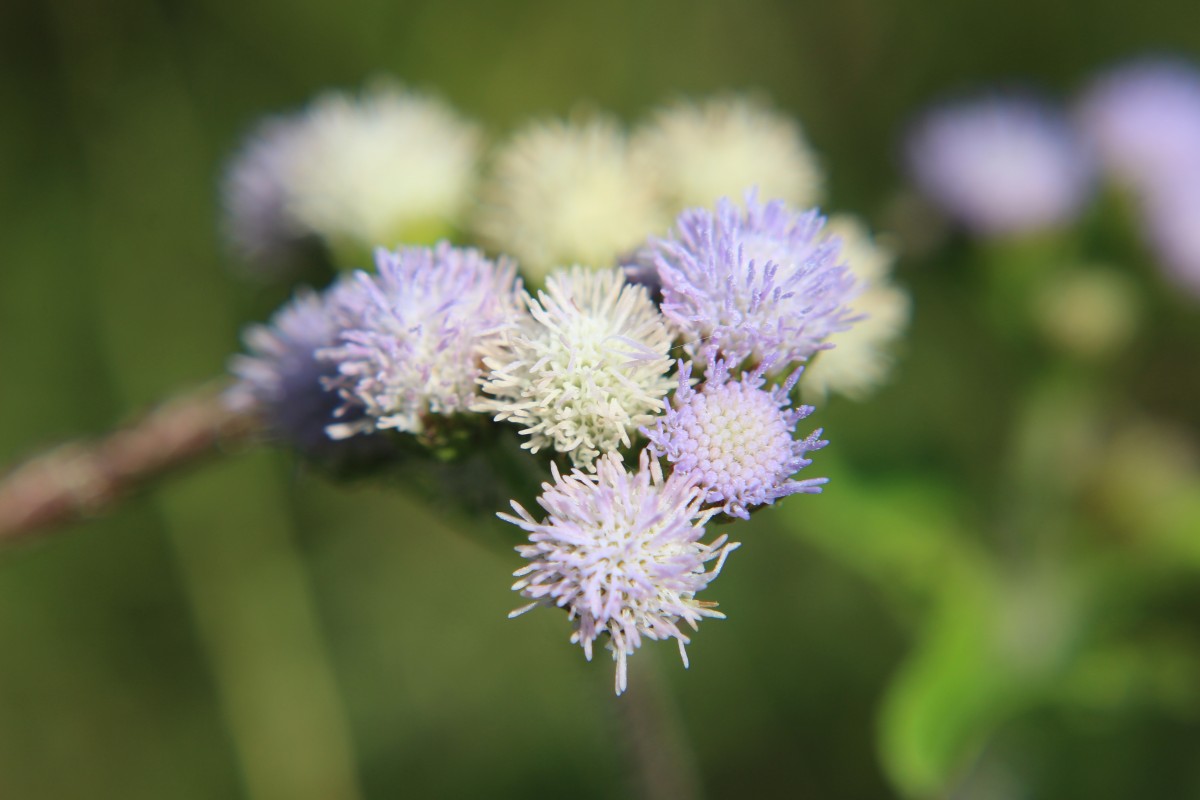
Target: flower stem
<point x="660" y="759"/>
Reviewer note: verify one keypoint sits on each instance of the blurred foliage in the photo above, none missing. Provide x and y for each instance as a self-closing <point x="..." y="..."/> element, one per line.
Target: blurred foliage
<point x="996" y="597"/>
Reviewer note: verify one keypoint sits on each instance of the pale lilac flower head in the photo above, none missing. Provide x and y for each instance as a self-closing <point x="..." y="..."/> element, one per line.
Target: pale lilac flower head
<point x="282" y="379"/>
<point x="1001" y="166"/>
<point x="735" y="439"/>
<point x="759" y="283"/>
<point x="622" y="553"/>
<point x="1143" y="119"/>
<point x="413" y="335"/>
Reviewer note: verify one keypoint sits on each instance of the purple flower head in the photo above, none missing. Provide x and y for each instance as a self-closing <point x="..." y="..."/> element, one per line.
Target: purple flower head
<point x="1001" y="166"/>
<point x="282" y="378"/>
<point x="412" y="335"/>
<point x="257" y="222"/>
<point x="1143" y="119"/>
<point x="757" y="284"/>
<point x="735" y="439"/>
<point x="622" y="553"/>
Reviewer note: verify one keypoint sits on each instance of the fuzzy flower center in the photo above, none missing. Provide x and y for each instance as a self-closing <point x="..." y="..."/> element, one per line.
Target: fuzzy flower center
<point x="738" y="434"/>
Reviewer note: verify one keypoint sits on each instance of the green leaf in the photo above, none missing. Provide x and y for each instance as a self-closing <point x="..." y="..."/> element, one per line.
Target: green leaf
<point x="951" y="692"/>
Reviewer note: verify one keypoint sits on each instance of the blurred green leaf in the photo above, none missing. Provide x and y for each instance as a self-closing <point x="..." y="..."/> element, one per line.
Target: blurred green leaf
<point x="901" y="532"/>
<point x="951" y="692"/>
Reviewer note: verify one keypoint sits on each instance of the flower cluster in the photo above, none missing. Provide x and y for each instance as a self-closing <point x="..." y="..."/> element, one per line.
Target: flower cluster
<point x="441" y="343"/>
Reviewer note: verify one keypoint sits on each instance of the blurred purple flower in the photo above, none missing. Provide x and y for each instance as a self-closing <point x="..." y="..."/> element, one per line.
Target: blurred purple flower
<point x="757" y="284"/>
<point x="735" y="439"/>
<point x="412" y="336"/>
<point x="1143" y="119"/>
<point x="1171" y="216"/>
<point x="256" y="220"/>
<point x="1001" y="166"/>
<point x="281" y="378"/>
<point x="622" y="553"/>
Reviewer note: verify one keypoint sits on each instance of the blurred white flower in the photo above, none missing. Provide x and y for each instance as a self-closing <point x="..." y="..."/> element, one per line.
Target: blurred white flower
<point x="567" y="193"/>
<point x="698" y="153"/>
<point x="860" y="358"/>
<point x="386" y="167"/>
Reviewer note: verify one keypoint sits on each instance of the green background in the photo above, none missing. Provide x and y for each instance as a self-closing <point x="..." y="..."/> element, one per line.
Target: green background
<point x="251" y="630"/>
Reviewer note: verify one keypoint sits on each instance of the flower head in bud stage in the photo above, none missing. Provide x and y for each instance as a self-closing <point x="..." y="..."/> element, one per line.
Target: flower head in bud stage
<point x="860" y="358"/>
<point x="255" y="217"/>
<point x="282" y="378"/>
<point x="1000" y="166"/>
<point x="584" y="369"/>
<point x="567" y="193"/>
<point x="735" y="439"/>
<point x="699" y="152"/>
<point x="622" y="553"/>
<point x="387" y="166"/>
<point x="760" y="283"/>
<point x="413" y="334"/>
<point x="1143" y="119"/>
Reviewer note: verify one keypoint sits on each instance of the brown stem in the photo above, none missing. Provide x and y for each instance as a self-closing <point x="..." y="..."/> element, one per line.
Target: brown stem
<point x="82" y="478"/>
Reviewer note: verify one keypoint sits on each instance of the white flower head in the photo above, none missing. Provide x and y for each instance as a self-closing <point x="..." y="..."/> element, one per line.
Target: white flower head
<point x="387" y="166"/>
<point x="567" y="193"/>
<point x="584" y="369"/>
<point x="700" y="152"/>
<point x="622" y="553"/>
<point x="860" y="358"/>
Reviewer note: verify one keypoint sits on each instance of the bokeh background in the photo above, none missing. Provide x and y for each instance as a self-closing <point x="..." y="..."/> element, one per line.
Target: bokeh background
<point x="952" y="618"/>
